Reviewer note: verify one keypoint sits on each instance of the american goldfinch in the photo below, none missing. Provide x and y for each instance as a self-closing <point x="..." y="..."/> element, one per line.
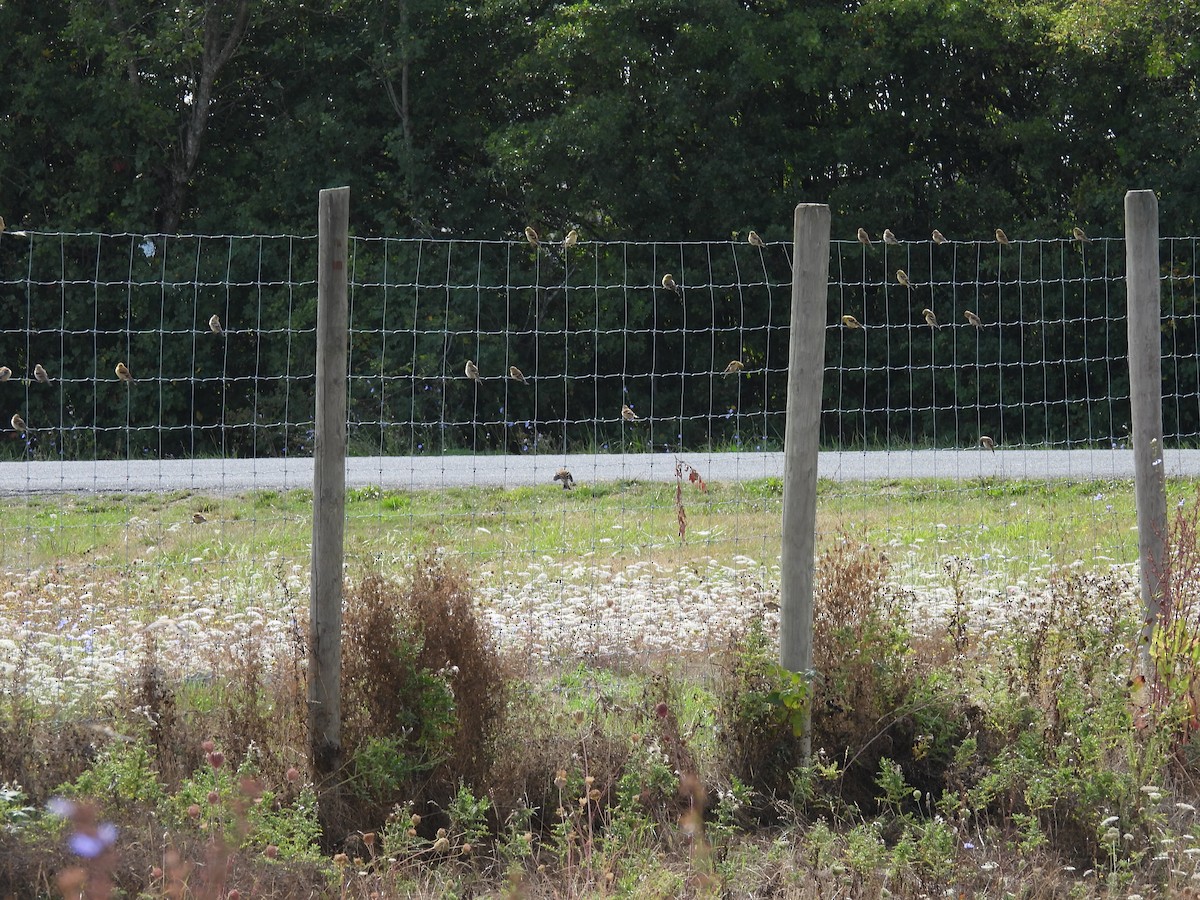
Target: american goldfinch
<point x="567" y="479"/>
<point x="5" y="373"/>
<point x="888" y="237"/>
<point x="930" y="318"/>
<point x="198" y="518"/>
<point x="571" y="239"/>
<point x="972" y="318"/>
<point x="735" y="366"/>
<point x="754" y="239"/>
<point x="532" y="236"/>
<point x="938" y="237"/>
<point x="1001" y="237"/>
<point x="902" y="277"/>
<point x="987" y="443"/>
<point x="214" y="324"/>
<point x="471" y="370"/>
<point x="668" y="281"/>
<point x="517" y="374"/>
<point x="851" y="322"/>
<point x="629" y="415"/>
<point x="40" y="374"/>
<point x="863" y="237"/>
<point x="17" y="422"/>
<point x="1078" y="234"/>
<point x="123" y="372"/>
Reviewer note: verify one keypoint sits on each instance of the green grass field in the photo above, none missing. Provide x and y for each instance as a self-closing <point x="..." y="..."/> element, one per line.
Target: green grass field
<point x="1018" y="521"/>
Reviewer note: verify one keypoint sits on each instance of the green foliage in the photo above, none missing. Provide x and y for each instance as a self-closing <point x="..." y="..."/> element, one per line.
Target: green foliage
<point x="15" y="813"/>
<point x="473" y="119"/>
<point x="122" y="774"/>
<point x="383" y="767"/>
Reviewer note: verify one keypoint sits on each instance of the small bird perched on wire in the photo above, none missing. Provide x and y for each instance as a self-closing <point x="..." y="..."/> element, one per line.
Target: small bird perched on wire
<point x="629" y="415"/>
<point x="735" y="366"/>
<point x="532" y="236"/>
<point x="471" y="370"/>
<point x="987" y="443"/>
<point x="41" y="374"/>
<point x="863" y="237"/>
<point x="668" y="282"/>
<point x="214" y="324"/>
<point x="5" y="373"/>
<point x="972" y="318"/>
<point x="888" y="237"/>
<point x="850" y="322"/>
<point x="1" y="223"/>
<point x="198" y="518"/>
<point x="516" y="374"/>
<point x="1078" y="234"/>
<point x="123" y="372"/>
<point x="930" y="318"/>
<point x="1001" y="237"/>
<point x="567" y="479"/>
<point x="902" y="277"/>
<point x="754" y="239"/>
<point x="18" y="423"/>
<point x="571" y="239"/>
<point x="938" y="237"/>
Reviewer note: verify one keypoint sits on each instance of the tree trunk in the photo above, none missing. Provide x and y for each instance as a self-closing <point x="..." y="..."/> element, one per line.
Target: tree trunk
<point x="219" y="47"/>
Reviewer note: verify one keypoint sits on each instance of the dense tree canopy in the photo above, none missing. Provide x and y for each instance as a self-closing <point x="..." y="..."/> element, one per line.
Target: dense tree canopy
<point x="628" y="118"/>
<point x="640" y="120"/>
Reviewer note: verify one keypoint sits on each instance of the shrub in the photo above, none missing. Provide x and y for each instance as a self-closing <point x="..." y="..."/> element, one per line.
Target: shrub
<point x="423" y="688"/>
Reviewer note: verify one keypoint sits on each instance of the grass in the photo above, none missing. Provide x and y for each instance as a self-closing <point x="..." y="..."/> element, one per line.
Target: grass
<point x="999" y="743"/>
<point x="619" y="522"/>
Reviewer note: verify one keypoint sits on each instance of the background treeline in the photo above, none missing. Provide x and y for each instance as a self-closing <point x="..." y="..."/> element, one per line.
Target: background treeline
<point x="644" y="120"/>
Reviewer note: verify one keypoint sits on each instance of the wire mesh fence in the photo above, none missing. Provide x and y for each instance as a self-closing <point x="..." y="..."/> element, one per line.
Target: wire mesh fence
<point x="654" y="372"/>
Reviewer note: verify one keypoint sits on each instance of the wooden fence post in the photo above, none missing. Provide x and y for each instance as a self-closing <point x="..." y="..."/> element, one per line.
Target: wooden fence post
<point x="1144" y="299"/>
<point x="806" y="367"/>
<point x="329" y="487"/>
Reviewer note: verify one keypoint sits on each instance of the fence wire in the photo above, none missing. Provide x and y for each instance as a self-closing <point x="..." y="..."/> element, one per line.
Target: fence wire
<point x="655" y="372"/>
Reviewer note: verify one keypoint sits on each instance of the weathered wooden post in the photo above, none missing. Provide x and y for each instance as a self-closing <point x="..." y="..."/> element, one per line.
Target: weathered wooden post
<point x="806" y="366"/>
<point x="329" y="487"/>
<point x="1144" y="299"/>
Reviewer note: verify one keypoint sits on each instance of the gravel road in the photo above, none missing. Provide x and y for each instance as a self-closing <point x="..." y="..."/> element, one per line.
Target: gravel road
<point x="230" y="476"/>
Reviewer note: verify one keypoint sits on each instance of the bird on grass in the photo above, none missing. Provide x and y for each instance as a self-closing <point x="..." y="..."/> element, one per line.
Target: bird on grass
<point x="668" y="282"/>
<point x="1077" y="234"/>
<point x="754" y="239"/>
<point x="517" y="375"/>
<point x="123" y="372"/>
<point x="902" y="277"/>
<point x="987" y="443"/>
<point x="41" y="374"/>
<point x="5" y="373"/>
<point x="735" y="366"/>
<point x="214" y="324"/>
<point x="888" y="237"/>
<point x="972" y="318"/>
<point x="471" y="370"/>
<point x="18" y="423"/>
<point x="532" y="236"/>
<point x="938" y="237"/>
<point x="1001" y="237"/>
<point x="629" y="415"/>
<point x="567" y="479"/>
<point x="851" y="322"/>
<point x="863" y="237"/>
<point x="198" y="518"/>
<point x="930" y="318"/>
